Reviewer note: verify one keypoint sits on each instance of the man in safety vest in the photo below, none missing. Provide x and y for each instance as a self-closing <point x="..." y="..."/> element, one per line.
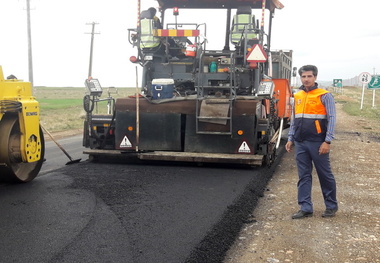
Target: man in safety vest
<point x="157" y="22"/>
<point x="311" y="131"/>
<point x="149" y="22"/>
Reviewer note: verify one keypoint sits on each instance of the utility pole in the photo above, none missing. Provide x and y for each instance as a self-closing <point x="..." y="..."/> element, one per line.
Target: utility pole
<point x="30" y="60"/>
<point x="92" y="46"/>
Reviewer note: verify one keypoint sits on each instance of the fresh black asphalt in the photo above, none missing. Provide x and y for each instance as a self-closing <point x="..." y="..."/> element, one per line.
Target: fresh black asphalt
<point x="113" y="212"/>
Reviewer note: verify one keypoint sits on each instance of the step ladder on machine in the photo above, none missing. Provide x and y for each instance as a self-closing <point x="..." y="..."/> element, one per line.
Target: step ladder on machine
<point x="216" y="93"/>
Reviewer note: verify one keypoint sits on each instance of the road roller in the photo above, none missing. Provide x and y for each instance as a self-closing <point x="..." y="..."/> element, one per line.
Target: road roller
<point x="22" y="143"/>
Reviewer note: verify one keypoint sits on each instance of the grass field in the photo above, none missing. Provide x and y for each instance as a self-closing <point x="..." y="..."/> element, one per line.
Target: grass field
<point x="351" y="99"/>
<point x="62" y="108"/>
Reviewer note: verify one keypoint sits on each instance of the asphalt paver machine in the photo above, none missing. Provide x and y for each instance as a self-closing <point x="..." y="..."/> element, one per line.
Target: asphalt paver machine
<point x="199" y="104"/>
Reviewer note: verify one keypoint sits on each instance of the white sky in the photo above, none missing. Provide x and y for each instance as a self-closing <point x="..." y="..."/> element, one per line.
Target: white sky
<point x="341" y="38"/>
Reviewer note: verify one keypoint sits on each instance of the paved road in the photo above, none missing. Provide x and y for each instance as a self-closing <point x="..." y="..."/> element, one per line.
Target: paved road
<point x="103" y="212"/>
<point x="55" y="157"/>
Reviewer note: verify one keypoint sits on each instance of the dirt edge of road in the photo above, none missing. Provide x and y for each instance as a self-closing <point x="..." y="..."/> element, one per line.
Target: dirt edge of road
<point x="352" y="236"/>
<point x="216" y="243"/>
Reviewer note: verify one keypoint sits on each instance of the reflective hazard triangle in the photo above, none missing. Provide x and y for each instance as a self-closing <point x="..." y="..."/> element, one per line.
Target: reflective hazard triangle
<point x="257" y="54"/>
<point x="244" y="148"/>
<point x="125" y="143"/>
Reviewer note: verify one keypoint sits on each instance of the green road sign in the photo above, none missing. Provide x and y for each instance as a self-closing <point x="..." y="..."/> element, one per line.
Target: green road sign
<point x="375" y="82"/>
<point x="337" y="83"/>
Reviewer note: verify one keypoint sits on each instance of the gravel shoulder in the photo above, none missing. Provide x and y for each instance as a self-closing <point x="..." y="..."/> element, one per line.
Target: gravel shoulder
<point x="352" y="236"/>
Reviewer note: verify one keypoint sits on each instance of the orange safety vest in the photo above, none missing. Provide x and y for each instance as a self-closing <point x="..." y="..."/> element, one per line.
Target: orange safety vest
<point x="309" y="104"/>
<point x="310" y="119"/>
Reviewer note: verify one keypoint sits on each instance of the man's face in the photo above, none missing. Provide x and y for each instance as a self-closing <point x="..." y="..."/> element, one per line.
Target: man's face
<point x="308" y="79"/>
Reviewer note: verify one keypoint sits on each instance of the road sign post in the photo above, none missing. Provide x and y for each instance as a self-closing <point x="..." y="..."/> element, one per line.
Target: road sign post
<point x="338" y="85"/>
<point x="374" y="84"/>
<point x="364" y="78"/>
<point x="373" y="98"/>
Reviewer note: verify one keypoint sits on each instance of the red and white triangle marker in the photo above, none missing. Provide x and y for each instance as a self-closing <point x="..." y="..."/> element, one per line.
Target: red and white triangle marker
<point x="125" y="143"/>
<point x="244" y="148"/>
<point x="257" y="54"/>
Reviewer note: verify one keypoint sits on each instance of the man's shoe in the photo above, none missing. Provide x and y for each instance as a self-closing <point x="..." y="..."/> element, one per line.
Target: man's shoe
<point x="329" y="213"/>
<point x="302" y="214"/>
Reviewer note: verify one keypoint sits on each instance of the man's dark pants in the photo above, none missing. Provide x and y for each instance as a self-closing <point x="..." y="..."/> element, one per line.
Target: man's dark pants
<point x="307" y="154"/>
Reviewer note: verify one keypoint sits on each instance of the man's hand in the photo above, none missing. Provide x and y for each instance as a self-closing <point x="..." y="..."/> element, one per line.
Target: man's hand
<point x="289" y="146"/>
<point x="324" y="148"/>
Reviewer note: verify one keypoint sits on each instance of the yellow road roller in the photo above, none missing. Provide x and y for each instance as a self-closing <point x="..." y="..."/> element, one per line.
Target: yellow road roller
<point x="22" y="144"/>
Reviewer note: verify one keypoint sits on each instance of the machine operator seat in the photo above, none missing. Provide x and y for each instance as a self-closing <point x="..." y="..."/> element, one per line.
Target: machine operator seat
<point x="243" y="25"/>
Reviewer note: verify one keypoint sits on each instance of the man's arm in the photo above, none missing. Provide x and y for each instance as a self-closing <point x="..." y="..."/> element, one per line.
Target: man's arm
<point x="329" y="102"/>
<point x="290" y="142"/>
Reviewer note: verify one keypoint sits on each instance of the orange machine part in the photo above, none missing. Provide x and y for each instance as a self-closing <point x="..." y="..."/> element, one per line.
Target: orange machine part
<point x="283" y="93"/>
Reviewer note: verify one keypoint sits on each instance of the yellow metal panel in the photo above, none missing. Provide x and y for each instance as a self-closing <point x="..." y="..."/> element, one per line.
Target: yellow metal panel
<point x="20" y="92"/>
<point x="1" y="74"/>
<point x="31" y="147"/>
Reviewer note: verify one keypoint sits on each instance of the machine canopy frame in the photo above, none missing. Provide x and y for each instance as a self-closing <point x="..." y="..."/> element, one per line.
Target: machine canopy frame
<point x="222" y="4"/>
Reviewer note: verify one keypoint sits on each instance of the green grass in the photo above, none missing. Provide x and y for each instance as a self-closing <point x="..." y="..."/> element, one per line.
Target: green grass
<point x="57" y="104"/>
<point x="62" y="108"/>
<point x="351" y="99"/>
<point x="352" y="109"/>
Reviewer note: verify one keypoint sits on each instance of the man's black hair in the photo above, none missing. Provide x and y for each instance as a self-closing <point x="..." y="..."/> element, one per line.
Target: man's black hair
<point x="305" y="68"/>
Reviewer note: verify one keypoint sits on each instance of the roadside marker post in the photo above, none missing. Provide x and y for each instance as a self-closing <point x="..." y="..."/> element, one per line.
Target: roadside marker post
<point x="364" y="78"/>
<point x="338" y="85"/>
<point x="374" y="84"/>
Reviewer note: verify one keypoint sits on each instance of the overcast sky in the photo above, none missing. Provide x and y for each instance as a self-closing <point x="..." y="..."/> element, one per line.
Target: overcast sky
<point x="340" y="37"/>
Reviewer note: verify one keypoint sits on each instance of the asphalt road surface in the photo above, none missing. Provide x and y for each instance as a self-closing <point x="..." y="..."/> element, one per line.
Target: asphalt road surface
<point x="56" y="158"/>
<point x="113" y="212"/>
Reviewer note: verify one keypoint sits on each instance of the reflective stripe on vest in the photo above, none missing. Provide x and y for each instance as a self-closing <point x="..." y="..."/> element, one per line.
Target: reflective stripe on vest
<point x="147" y="40"/>
<point x="310" y="116"/>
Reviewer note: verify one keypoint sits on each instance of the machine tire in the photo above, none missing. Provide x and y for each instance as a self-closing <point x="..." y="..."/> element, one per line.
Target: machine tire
<point x="271" y="156"/>
<point x="12" y="168"/>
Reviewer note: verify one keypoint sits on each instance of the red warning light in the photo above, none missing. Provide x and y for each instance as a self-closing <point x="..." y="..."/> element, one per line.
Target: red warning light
<point x="175" y="11"/>
<point x="253" y="65"/>
<point x="133" y="59"/>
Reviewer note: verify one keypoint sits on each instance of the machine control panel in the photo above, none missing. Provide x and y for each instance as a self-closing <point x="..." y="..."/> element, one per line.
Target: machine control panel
<point x="225" y="61"/>
<point x="266" y="88"/>
<point x="94" y="87"/>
